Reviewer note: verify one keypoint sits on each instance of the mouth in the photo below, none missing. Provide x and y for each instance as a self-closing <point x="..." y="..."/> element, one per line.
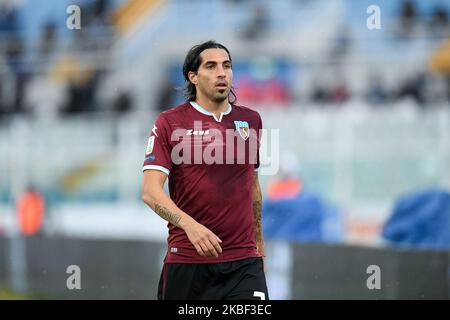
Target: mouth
<point x="222" y="86"/>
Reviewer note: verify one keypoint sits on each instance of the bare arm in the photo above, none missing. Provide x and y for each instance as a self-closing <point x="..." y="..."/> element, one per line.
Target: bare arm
<point x="204" y="240"/>
<point x="257" y="214"/>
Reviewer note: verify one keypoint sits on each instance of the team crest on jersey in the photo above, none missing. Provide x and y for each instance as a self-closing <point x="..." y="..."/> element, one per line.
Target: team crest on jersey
<point x="243" y="129"/>
<point x="151" y="142"/>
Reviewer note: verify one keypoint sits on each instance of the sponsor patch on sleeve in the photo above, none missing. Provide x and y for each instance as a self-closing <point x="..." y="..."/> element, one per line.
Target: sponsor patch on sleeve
<point x="151" y="142"/>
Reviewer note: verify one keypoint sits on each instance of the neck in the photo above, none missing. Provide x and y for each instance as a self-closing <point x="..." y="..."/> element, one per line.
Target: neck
<point x="215" y="107"/>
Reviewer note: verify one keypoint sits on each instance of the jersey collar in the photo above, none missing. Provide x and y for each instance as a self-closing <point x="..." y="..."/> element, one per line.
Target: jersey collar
<point x="204" y="111"/>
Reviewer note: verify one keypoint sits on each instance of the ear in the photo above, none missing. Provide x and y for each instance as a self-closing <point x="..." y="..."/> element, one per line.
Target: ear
<point x="193" y="77"/>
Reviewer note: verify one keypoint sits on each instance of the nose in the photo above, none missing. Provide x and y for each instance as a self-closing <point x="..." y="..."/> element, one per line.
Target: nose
<point x="221" y="72"/>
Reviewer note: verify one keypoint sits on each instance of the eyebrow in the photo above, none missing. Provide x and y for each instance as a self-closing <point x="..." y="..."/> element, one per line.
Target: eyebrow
<point x="215" y="62"/>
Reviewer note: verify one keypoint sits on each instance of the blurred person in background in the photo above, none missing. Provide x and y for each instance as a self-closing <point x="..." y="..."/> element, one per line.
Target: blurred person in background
<point x="215" y="244"/>
<point x="342" y="44"/>
<point x="376" y="92"/>
<point x="99" y="33"/>
<point x="439" y="25"/>
<point x="413" y="87"/>
<point x="258" y="26"/>
<point x="287" y="183"/>
<point x="13" y="48"/>
<point x="48" y="41"/>
<point x="30" y="211"/>
<point x="165" y="95"/>
<point x="439" y="63"/>
<point x="408" y="21"/>
<point x="293" y="213"/>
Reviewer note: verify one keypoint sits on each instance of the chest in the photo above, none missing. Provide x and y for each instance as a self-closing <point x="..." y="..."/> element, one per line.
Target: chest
<point x="230" y="141"/>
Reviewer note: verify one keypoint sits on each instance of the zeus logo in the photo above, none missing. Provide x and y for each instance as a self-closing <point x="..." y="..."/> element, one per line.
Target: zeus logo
<point x="191" y="132"/>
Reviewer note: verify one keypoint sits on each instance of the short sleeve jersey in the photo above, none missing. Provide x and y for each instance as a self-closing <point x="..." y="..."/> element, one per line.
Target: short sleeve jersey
<point x="211" y="163"/>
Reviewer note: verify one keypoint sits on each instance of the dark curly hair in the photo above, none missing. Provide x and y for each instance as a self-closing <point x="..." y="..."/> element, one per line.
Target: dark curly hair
<point x="192" y="63"/>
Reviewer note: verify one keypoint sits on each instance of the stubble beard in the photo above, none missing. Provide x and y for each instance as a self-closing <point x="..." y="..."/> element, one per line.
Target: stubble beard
<point x="220" y="97"/>
<point x="216" y="96"/>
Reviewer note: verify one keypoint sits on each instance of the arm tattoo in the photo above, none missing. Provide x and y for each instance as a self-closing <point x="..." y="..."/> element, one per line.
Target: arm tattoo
<point x="257" y="214"/>
<point x="257" y="219"/>
<point x="166" y="214"/>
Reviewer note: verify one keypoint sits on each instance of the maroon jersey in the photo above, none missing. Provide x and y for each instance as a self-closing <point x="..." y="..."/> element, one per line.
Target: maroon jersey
<point x="211" y="164"/>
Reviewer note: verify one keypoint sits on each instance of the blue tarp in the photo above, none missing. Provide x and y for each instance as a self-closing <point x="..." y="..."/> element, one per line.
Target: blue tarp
<point x="420" y="219"/>
<point x="304" y="218"/>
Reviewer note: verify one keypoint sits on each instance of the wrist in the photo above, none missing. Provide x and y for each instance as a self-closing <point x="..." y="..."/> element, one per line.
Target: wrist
<point x="185" y="222"/>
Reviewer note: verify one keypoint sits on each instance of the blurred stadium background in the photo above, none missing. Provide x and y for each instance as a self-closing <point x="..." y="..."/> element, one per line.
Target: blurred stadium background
<point x="363" y="117"/>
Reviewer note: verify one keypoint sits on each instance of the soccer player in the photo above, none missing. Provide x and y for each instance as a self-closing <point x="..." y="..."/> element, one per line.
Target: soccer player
<point x="208" y="149"/>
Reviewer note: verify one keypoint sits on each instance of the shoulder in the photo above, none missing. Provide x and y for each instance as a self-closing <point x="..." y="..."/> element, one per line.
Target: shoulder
<point x="175" y="112"/>
<point x="247" y="112"/>
<point x="173" y="115"/>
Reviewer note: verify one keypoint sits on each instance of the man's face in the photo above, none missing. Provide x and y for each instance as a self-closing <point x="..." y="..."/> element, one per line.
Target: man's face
<point x="214" y="76"/>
